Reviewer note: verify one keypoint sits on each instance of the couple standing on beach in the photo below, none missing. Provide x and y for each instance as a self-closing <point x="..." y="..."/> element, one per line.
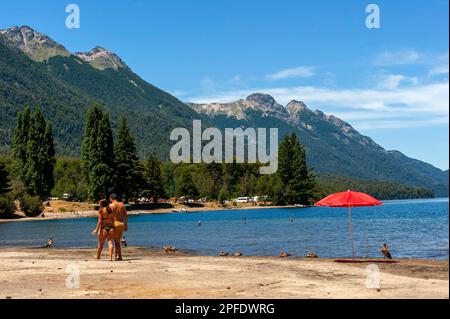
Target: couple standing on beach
<point x="112" y="222"/>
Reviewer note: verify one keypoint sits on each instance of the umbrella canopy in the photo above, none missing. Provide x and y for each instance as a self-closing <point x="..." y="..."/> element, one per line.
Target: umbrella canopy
<point x="349" y="199"/>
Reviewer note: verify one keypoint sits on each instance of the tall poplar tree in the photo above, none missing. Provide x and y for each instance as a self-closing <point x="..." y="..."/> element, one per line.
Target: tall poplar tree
<point x="34" y="175"/>
<point x="94" y="113"/>
<point x="34" y="153"/>
<point x="19" y="143"/>
<point x="128" y="168"/>
<point x="97" y="154"/>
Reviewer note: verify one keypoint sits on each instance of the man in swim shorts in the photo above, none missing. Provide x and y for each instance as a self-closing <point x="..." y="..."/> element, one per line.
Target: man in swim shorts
<point x="120" y="223"/>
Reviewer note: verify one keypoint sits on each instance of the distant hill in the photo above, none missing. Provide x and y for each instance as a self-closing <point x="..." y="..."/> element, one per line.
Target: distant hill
<point x="382" y="190"/>
<point x="334" y="146"/>
<point x="37" y="71"/>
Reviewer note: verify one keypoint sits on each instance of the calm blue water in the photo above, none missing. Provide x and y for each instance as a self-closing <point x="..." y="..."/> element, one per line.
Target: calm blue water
<point x="416" y="229"/>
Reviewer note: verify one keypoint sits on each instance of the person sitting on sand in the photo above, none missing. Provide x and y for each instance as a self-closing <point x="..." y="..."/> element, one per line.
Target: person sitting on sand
<point x="385" y="251"/>
<point x="120" y="223"/>
<point x="104" y="228"/>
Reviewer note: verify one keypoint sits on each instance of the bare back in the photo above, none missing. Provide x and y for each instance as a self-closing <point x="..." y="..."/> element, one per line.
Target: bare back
<point x="119" y="210"/>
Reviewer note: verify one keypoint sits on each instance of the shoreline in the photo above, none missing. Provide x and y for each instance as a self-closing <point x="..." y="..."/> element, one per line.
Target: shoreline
<point x="92" y="214"/>
<point x="145" y="273"/>
<point x="194" y="253"/>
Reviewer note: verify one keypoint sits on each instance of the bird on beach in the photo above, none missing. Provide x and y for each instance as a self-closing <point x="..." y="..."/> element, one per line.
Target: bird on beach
<point x="49" y="243"/>
<point x="170" y="249"/>
<point x="385" y="251"/>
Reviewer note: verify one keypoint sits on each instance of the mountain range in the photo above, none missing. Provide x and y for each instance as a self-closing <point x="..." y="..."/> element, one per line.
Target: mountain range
<point x="36" y="70"/>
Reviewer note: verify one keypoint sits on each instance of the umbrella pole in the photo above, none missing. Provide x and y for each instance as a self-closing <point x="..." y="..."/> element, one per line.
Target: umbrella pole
<point x="351" y="232"/>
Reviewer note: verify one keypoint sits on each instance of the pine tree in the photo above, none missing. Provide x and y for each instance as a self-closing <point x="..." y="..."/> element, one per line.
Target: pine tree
<point x="168" y="177"/>
<point x="128" y="169"/>
<point x="285" y="156"/>
<point x="298" y="181"/>
<point x="154" y="185"/>
<point x="303" y="181"/>
<point x="185" y="185"/>
<point x="97" y="154"/>
<point x="231" y="175"/>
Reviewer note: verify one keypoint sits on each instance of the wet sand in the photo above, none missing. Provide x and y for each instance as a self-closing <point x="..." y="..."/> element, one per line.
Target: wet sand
<point x="41" y="273"/>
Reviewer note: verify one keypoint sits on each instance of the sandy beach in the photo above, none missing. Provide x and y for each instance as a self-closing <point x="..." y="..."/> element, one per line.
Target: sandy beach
<point x="41" y="273"/>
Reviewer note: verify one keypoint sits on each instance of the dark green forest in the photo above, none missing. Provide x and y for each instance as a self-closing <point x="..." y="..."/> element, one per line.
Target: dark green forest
<point x="227" y="180"/>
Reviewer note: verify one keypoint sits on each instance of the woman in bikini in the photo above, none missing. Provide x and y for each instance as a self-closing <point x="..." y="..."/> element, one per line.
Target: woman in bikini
<point x="104" y="228"/>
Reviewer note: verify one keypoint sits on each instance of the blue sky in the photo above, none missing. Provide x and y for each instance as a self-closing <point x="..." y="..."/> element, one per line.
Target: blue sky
<point x="391" y="84"/>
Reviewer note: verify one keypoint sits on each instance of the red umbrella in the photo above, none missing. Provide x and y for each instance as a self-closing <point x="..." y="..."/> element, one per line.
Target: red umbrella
<point x="349" y="199"/>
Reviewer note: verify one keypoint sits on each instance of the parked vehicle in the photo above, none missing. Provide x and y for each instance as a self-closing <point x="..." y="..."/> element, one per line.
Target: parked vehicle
<point x="242" y="200"/>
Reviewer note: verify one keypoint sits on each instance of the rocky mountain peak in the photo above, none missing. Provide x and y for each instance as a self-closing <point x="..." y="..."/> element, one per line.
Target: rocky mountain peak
<point x="294" y="107"/>
<point x="37" y="46"/>
<point x="266" y="104"/>
<point x="261" y="99"/>
<point x="102" y="58"/>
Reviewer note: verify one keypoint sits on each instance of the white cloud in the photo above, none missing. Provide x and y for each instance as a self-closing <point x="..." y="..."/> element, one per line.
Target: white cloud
<point x="393" y="81"/>
<point x="398" y="57"/>
<point x="299" y="72"/>
<point x="438" y="70"/>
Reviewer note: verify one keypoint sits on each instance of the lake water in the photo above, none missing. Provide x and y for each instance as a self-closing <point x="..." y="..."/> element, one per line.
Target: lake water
<point x="415" y="228"/>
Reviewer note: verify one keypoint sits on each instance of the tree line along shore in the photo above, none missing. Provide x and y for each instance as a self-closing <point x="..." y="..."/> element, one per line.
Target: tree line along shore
<point x="109" y="163"/>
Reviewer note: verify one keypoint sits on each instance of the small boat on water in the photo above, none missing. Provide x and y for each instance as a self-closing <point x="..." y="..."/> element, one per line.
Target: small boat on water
<point x="300" y="205"/>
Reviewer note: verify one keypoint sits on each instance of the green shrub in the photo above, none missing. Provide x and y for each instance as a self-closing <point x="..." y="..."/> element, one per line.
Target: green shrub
<point x="7" y="205"/>
<point x="222" y="196"/>
<point x="31" y="206"/>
